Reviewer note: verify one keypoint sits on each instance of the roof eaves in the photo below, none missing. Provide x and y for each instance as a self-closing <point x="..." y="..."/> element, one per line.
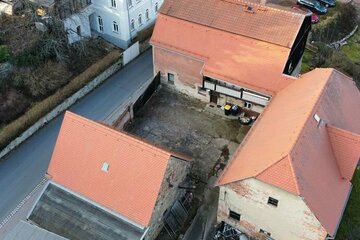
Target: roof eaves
<point x="218" y="182"/>
<point x="125" y="137"/>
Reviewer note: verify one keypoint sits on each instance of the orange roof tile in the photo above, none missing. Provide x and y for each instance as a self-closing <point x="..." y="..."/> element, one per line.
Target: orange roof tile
<point x="290" y="140"/>
<point x="136" y="169"/>
<point x="346" y="147"/>
<point x="223" y="53"/>
<point x="263" y="23"/>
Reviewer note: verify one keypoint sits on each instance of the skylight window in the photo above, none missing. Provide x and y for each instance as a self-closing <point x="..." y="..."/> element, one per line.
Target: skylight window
<point x="105" y="167"/>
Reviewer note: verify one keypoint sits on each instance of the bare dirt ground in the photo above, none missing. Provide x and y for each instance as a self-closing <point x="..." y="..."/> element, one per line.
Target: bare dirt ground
<point x="186" y="125"/>
<point x="182" y="124"/>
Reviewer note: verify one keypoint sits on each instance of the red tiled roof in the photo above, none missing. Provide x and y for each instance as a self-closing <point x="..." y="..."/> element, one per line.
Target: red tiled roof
<point x="263" y="23"/>
<point x="136" y="169"/>
<point x="229" y="57"/>
<point x="346" y="147"/>
<point x="289" y="140"/>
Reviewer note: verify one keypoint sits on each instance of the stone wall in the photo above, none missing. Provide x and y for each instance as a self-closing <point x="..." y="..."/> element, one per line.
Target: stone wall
<point x="291" y="219"/>
<point x="175" y="174"/>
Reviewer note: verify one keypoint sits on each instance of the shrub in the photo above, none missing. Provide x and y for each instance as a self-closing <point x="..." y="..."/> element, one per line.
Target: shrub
<point x="12" y="130"/>
<point x="4" y="54"/>
<point x="13" y="103"/>
<point x="45" y="80"/>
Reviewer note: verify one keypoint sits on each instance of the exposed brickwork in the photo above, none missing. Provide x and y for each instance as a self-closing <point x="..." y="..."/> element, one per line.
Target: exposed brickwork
<point x="291" y="219"/>
<point x="176" y="173"/>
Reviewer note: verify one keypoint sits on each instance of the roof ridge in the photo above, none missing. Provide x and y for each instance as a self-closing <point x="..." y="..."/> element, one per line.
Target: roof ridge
<point x="346" y="133"/>
<point x="318" y="97"/>
<point x="241" y="2"/>
<point x="89" y="123"/>
<point x="294" y="174"/>
<point x="289" y="159"/>
<point x="272" y="164"/>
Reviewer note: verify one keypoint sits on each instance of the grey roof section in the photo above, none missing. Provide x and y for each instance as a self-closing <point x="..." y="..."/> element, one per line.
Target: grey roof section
<point x="26" y="231"/>
<point x="69" y="216"/>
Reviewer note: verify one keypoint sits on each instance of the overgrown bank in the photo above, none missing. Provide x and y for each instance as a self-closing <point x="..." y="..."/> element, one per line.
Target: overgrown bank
<point x="16" y="127"/>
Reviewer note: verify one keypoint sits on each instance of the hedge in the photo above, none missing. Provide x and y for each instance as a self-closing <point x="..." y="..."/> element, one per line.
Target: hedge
<point x="40" y="109"/>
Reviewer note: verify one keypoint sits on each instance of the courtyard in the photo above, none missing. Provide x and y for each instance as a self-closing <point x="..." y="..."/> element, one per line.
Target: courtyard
<point x="188" y="126"/>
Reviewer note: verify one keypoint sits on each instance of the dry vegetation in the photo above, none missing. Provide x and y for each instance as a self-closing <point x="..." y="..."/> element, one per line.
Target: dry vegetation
<point x="42" y="62"/>
<point x="13" y="129"/>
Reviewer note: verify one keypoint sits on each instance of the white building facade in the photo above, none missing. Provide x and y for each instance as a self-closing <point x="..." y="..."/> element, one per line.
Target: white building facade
<point x="119" y="21"/>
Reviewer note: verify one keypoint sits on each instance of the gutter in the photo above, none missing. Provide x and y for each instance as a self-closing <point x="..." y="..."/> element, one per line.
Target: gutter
<point x="343" y="211"/>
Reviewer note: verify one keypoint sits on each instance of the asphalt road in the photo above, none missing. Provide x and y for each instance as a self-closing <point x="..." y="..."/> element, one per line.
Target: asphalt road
<point x="23" y="169"/>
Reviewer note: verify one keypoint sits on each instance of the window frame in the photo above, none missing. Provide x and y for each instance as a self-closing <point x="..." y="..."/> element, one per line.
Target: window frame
<point x="171" y="78"/>
<point x="115" y="27"/>
<point x="140" y="22"/>
<point x="100" y="24"/>
<point x="132" y="25"/>
<point x="234" y="215"/>
<point x="147" y="15"/>
<point x="273" y="201"/>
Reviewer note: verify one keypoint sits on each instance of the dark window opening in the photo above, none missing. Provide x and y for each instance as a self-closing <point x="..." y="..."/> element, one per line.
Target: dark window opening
<point x="78" y="30"/>
<point x="265" y="232"/>
<point x="273" y="201"/>
<point x="171" y="78"/>
<point x="234" y="215"/>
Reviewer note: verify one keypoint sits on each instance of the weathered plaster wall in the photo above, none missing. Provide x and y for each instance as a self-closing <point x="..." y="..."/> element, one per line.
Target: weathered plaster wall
<point x="176" y="172"/>
<point x="187" y="71"/>
<point x="291" y="219"/>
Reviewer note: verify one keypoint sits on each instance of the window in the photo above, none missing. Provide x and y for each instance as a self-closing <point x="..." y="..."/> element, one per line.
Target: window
<point x="201" y="90"/>
<point x="78" y="30"/>
<point x="156" y="7"/>
<point x="147" y="15"/>
<point x="140" y="19"/>
<point x="234" y="215"/>
<point x="101" y="24"/>
<point x="171" y="78"/>
<point x="273" y="201"/>
<point x="247" y="105"/>
<point x="132" y="25"/>
<point x="115" y="27"/>
<point x="130" y="3"/>
<point x="113" y="3"/>
<point x="265" y="232"/>
<point x="105" y="167"/>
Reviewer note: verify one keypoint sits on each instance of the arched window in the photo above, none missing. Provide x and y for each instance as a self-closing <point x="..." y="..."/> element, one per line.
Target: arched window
<point x="156" y="7"/>
<point x="147" y="14"/>
<point x="101" y="24"/>
<point x="130" y="3"/>
<point x="113" y="3"/>
<point x="140" y="19"/>
<point x="132" y="25"/>
<point x="115" y="27"/>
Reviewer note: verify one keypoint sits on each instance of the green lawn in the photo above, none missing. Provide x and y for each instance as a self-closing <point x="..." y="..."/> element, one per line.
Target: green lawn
<point x="352" y="49"/>
<point x="350" y="225"/>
